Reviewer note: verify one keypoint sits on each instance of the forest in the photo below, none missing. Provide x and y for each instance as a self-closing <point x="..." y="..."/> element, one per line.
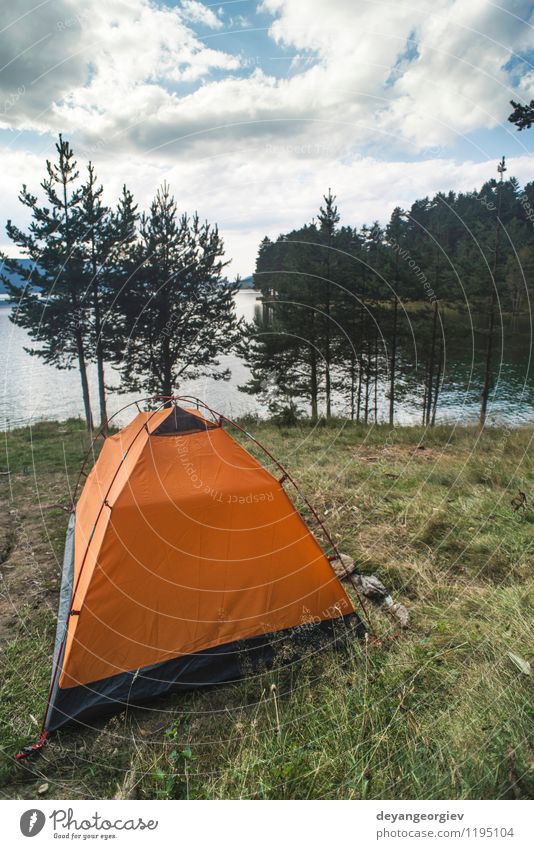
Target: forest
<point x="343" y="308"/>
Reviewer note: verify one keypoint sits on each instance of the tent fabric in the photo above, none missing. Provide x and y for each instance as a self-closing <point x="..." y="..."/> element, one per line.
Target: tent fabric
<point x="186" y="550"/>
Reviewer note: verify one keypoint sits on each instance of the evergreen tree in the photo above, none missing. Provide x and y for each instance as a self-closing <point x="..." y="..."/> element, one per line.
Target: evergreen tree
<point x="95" y="219"/>
<point x="53" y="304"/>
<point x="285" y="349"/>
<point x="395" y="237"/>
<point x="281" y="346"/>
<point x="178" y="310"/>
<point x="108" y="239"/>
<point x="328" y="220"/>
<point x="523" y="115"/>
<point x="488" y="365"/>
<point x="347" y="310"/>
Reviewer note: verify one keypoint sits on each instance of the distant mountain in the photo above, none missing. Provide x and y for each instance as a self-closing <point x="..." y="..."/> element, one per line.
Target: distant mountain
<point x="14" y="278"/>
<point x="246" y="282"/>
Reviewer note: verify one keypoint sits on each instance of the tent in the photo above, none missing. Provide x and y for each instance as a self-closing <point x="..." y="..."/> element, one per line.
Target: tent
<point x="183" y="556"/>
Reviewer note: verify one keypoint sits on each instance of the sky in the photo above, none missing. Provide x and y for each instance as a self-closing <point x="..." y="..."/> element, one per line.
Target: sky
<point x="253" y="110"/>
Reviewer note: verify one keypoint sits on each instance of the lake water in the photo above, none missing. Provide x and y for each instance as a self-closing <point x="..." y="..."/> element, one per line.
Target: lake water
<point x="31" y="391"/>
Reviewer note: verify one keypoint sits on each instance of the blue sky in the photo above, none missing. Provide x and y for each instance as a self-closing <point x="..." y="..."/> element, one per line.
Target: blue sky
<point x="252" y="110"/>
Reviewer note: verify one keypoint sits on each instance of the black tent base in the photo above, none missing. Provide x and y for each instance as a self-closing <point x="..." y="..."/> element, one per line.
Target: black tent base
<point x="223" y="664"/>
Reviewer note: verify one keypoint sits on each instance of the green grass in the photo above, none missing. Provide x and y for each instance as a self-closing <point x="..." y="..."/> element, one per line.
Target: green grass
<point x="437" y="711"/>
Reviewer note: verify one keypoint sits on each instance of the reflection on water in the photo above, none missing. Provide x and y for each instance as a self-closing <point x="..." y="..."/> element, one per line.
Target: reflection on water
<point x="31" y="390"/>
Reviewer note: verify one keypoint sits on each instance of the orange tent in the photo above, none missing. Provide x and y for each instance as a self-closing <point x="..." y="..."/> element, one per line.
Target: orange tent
<point x="183" y="555"/>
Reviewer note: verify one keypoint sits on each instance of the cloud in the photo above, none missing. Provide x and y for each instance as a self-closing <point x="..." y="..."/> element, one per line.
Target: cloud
<point x="427" y="71"/>
<point x="374" y="95"/>
<point x="136" y="72"/>
<point x="459" y="80"/>
<point x="70" y="68"/>
<point x="198" y="13"/>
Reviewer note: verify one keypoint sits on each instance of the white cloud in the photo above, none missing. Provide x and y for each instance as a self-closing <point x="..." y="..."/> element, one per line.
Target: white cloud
<point x="459" y="81"/>
<point x="446" y="60"/>
<point x="73" y="68"/>
<point x="421" y="73"/>
<point x="198" y="13"/>
<point x="134" y="88"/>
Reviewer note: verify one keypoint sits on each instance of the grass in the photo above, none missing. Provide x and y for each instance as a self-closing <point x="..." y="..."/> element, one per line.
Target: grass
<point x="437" y="711"/>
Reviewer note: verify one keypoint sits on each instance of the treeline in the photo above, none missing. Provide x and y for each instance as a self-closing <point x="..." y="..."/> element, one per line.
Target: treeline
<point x="351" y="318"/>
<point x="347" y="311"/>
<point x="142" y="293"/>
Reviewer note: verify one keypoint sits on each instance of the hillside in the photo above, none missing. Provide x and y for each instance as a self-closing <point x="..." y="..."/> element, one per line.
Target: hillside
<point x="246" y="282"/>
<point x="441" y="710"/>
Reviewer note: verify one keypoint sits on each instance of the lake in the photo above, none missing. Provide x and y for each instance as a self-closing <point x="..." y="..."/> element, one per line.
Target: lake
<point x="32" y="391"/>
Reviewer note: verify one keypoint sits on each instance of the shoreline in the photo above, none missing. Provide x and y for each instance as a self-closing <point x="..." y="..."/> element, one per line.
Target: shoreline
<point x="304" y="424"/>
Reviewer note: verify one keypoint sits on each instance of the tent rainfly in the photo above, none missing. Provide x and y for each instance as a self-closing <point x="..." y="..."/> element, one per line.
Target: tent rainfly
<point x="183" y="556"/>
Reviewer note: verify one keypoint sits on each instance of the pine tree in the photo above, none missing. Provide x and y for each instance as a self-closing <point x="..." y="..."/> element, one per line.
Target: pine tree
<point x="108" y="239"/>
<point x="178" y="310"/>
<point x="285" y="349"/>
<point x="53" y="304"/>
<point x="328" y="220"/>
<point x="95" y="219"/>
<point x="523" y="115"/>
<point x="395" y="236"/>
<point x="501" y="168"/>
<point x="347" y="317"/>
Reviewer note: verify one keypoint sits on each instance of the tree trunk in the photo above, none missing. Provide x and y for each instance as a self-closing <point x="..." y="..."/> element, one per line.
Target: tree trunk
<point x="83" y="378"/>
<point x="393" y="364"/>
<point x="367" y="382"/>
<point x="101" y="387"/>
<point x="82" y="367"/>
<point x="376" y="381"/>
<point x="360" y="365"/>
<point x="489" y="357"/>
<point x="167" y="388"/>
<point x="516" y="303"/>
<point x="431" y="364"/>
<point x="425" y="390"/>
<point x="76" y="316"/>
<point x="436" y="388"/>
<point x="352" y="385"/>
<point x="99" y="357"/>
<point x="328" y="390"/>
<point x="491" y="318"/>
<point x="517" y="309"/>
<point x="313" y="385"/>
